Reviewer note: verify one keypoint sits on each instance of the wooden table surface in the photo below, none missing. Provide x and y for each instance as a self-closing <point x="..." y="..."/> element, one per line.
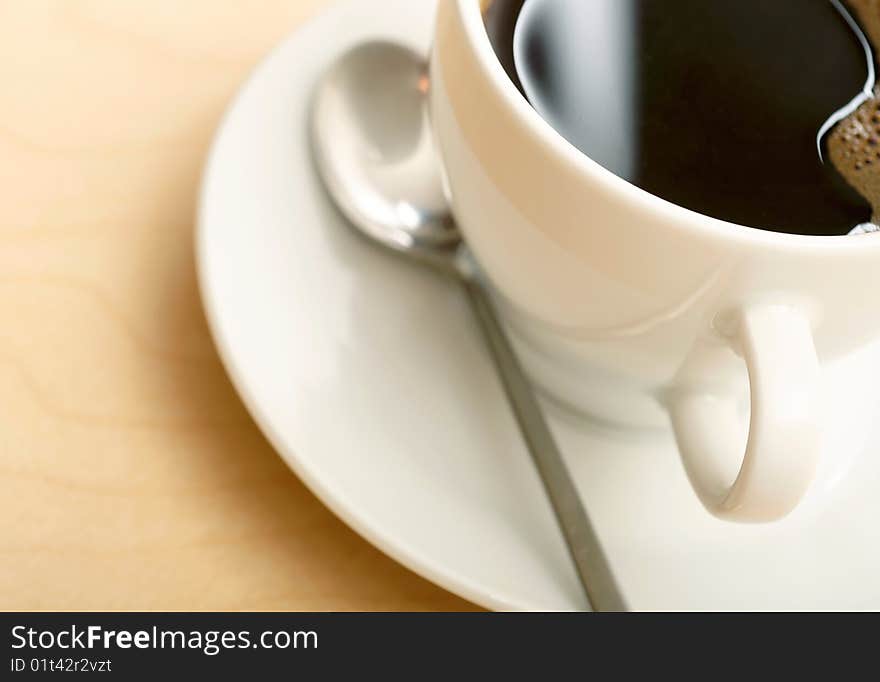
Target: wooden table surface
<point x="132" y="477"/>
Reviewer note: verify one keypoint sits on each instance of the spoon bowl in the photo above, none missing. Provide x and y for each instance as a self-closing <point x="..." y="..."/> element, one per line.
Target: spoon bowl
<point x="374" y="148"/>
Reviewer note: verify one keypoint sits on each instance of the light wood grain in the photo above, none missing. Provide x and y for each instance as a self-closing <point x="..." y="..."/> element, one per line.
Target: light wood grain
<point x="132" y="477"/>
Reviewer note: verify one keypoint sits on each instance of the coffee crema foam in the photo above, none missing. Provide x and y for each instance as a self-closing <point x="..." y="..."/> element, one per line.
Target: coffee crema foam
<point x="854" y="144"/>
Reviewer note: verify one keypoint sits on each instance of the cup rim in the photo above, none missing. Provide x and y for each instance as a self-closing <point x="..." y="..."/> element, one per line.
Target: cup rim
<point x="683" y="218"/>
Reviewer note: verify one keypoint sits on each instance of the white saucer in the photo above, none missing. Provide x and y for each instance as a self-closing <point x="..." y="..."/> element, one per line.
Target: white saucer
<point x="370" y="379"/>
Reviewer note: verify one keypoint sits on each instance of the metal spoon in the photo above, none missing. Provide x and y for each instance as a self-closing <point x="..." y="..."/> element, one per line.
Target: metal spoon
<point x="374" y="150"/>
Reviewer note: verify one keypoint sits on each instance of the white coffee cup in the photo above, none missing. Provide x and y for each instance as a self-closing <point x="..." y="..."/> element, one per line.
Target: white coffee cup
<point x="635" y="310"/>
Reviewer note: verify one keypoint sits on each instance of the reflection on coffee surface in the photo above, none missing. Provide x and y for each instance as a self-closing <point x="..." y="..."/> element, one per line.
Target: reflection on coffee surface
<point x="755" y="112"/>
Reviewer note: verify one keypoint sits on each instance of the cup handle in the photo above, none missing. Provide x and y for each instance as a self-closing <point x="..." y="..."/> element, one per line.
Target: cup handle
<point x="784" y="432"/>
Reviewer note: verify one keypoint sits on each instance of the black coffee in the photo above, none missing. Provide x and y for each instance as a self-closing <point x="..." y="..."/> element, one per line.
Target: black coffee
<point x="720" y="106"/>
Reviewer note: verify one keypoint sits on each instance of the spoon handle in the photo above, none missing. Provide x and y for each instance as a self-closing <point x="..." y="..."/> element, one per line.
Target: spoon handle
<point x="586" y="551"/>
